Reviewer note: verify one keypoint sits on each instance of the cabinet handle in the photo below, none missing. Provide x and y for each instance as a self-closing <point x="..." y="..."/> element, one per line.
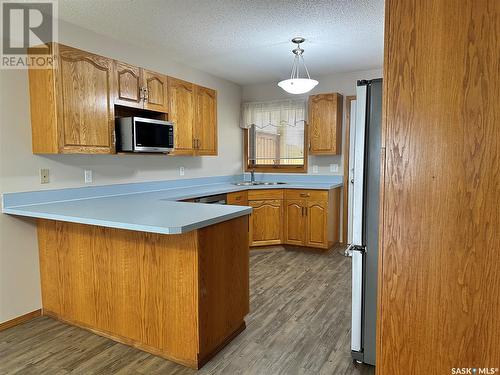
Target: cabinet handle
<point x="145" y="94"/>
<point x="197" y="142"/>
<point x="194" y="143"/>
<point x="304" y="195"/>
<point x="237" y="198"/>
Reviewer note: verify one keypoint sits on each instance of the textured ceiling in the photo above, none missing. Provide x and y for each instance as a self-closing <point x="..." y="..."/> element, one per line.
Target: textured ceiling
<point x="244" y="41"/>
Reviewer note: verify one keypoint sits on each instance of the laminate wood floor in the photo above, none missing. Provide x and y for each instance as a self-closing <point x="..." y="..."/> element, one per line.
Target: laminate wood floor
<point x="299" y="324"/>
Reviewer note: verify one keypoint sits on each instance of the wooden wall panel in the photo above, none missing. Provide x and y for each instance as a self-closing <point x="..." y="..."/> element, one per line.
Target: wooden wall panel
<point x="439" y="290"/>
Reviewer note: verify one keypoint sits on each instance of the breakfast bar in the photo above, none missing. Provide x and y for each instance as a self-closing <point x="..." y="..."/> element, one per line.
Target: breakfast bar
<point x="140" y="265"/>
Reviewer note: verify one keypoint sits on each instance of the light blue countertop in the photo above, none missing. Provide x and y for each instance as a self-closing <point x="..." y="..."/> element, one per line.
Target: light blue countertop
<point x="148" y="207"/>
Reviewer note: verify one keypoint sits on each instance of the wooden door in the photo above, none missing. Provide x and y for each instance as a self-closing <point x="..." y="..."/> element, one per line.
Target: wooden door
<point x="295" y="222"/>
<point x="206" y="121"/>
<point x="439" y="284"/>
<point x="127" y="85"/>
<point x="85" y="104"/>
<point x="181" y="112"/>
<point x="265" y="222"/>
<point x="317" y="224"/>
<point x="156" y="93"/>
<point x="325" y="124"/>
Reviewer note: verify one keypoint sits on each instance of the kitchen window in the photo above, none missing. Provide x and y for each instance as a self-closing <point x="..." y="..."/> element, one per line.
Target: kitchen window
<point x="275" y="136"/>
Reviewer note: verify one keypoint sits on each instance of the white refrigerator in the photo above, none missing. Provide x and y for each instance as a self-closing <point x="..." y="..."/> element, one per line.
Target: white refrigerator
<point x="364" y="192"/>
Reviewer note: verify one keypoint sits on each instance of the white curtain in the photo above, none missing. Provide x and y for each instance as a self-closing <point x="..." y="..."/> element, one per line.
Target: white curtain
<point x="277" y="114"/>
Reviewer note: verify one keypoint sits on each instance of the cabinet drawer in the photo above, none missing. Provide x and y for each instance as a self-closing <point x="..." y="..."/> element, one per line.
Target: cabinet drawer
<point x="265" y="194"/>
<point x="315" y="195"/>
<point x="238" y="198"/>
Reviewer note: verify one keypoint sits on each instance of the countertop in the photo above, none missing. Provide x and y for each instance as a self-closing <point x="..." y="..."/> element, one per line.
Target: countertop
<point x="155" y="211"/>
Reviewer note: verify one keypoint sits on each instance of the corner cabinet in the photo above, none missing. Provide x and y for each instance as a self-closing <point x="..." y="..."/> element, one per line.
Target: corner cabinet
<point x="72" y="104"/>
<point x="325" y="124"/>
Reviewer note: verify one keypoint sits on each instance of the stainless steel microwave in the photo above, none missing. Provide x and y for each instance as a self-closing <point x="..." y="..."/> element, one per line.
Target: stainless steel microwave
<point x="138" y="134"/>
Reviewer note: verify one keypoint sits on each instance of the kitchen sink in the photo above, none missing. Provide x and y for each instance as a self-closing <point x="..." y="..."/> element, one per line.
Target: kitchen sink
<point x="256" y="183"/>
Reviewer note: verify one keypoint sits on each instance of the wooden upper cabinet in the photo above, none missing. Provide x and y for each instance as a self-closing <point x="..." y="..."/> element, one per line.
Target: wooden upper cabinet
<point x="325" y="124"/>
<point x="265" y="222"/>
<point x="71" y="106"/>
<point x="181" y="113"/>
<point x="193" y="109"/>
<point x="155" y="91"/>
<point x="317" y="224"/>
<point x="295" y="222"/>
<point x="128" y="85"/>
<point x="206" y="121"/>
<point x="140" y="88"/>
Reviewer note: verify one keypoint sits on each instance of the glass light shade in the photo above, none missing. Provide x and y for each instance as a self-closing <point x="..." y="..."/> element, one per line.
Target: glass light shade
<point x="298" y="85"/>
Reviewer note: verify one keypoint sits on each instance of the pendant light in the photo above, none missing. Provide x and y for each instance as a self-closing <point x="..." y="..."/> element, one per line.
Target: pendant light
<point x="295" y="84"/>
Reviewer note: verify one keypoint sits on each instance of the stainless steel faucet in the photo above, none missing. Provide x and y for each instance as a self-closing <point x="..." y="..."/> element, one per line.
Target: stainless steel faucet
<point x="252" y="176"/>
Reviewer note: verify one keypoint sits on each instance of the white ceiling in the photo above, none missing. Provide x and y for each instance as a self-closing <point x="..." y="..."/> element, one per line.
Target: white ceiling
<point x="244" y="41"/>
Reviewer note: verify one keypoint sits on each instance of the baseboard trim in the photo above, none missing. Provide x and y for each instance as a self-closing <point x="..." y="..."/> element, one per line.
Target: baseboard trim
<point x="20" y="319"/>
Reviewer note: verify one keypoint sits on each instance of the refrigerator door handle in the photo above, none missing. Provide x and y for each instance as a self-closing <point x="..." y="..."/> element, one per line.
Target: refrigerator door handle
<point x="357" y="297"/>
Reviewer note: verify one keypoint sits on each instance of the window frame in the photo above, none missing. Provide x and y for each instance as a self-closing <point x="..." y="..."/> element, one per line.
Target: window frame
<point x="266" y="168"/>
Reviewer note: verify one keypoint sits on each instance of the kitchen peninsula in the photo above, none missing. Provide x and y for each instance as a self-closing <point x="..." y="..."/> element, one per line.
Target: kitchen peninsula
<point x="135" y="263"/>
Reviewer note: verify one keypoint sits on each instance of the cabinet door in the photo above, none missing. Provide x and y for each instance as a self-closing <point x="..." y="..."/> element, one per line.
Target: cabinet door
<point x="325" y="124"/>
<point x="127" y="85"/>
<point x="206" y="121"/>
<point x="317" y="224"/>
<point x="85" y="105"/>
<point x="265" y="222"/>
<point x="155" y="85"/>
<point x="295" y="222"/>
<point x="181" y="112"/>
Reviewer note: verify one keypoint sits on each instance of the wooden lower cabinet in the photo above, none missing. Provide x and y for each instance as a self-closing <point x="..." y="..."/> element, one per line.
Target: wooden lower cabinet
<point x="265" y="222"/>
<point x="308" y="218"/>
<point x="317" y="224"/>
<point x="295" y="222"/>
<point x="239" y="198"/>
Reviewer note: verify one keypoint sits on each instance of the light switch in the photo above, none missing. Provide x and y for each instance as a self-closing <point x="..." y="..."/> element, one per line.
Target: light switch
<point x="181" y="171"/>
<point x="315" y="169"/>
<point x="334" y="168"/>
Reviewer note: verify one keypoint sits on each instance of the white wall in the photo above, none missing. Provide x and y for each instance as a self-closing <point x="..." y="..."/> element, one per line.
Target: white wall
<point x="343" y="83"/>
<point x="19" y="168"/>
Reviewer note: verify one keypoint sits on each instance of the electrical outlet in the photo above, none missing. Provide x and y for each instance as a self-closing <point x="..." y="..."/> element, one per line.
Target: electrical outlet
<point x="181" y="171"/>
<point x="334" y="168"/>
<point x="315" y="169"/>
<point x="88" y="176"/>
<point x="44" y="176"/>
